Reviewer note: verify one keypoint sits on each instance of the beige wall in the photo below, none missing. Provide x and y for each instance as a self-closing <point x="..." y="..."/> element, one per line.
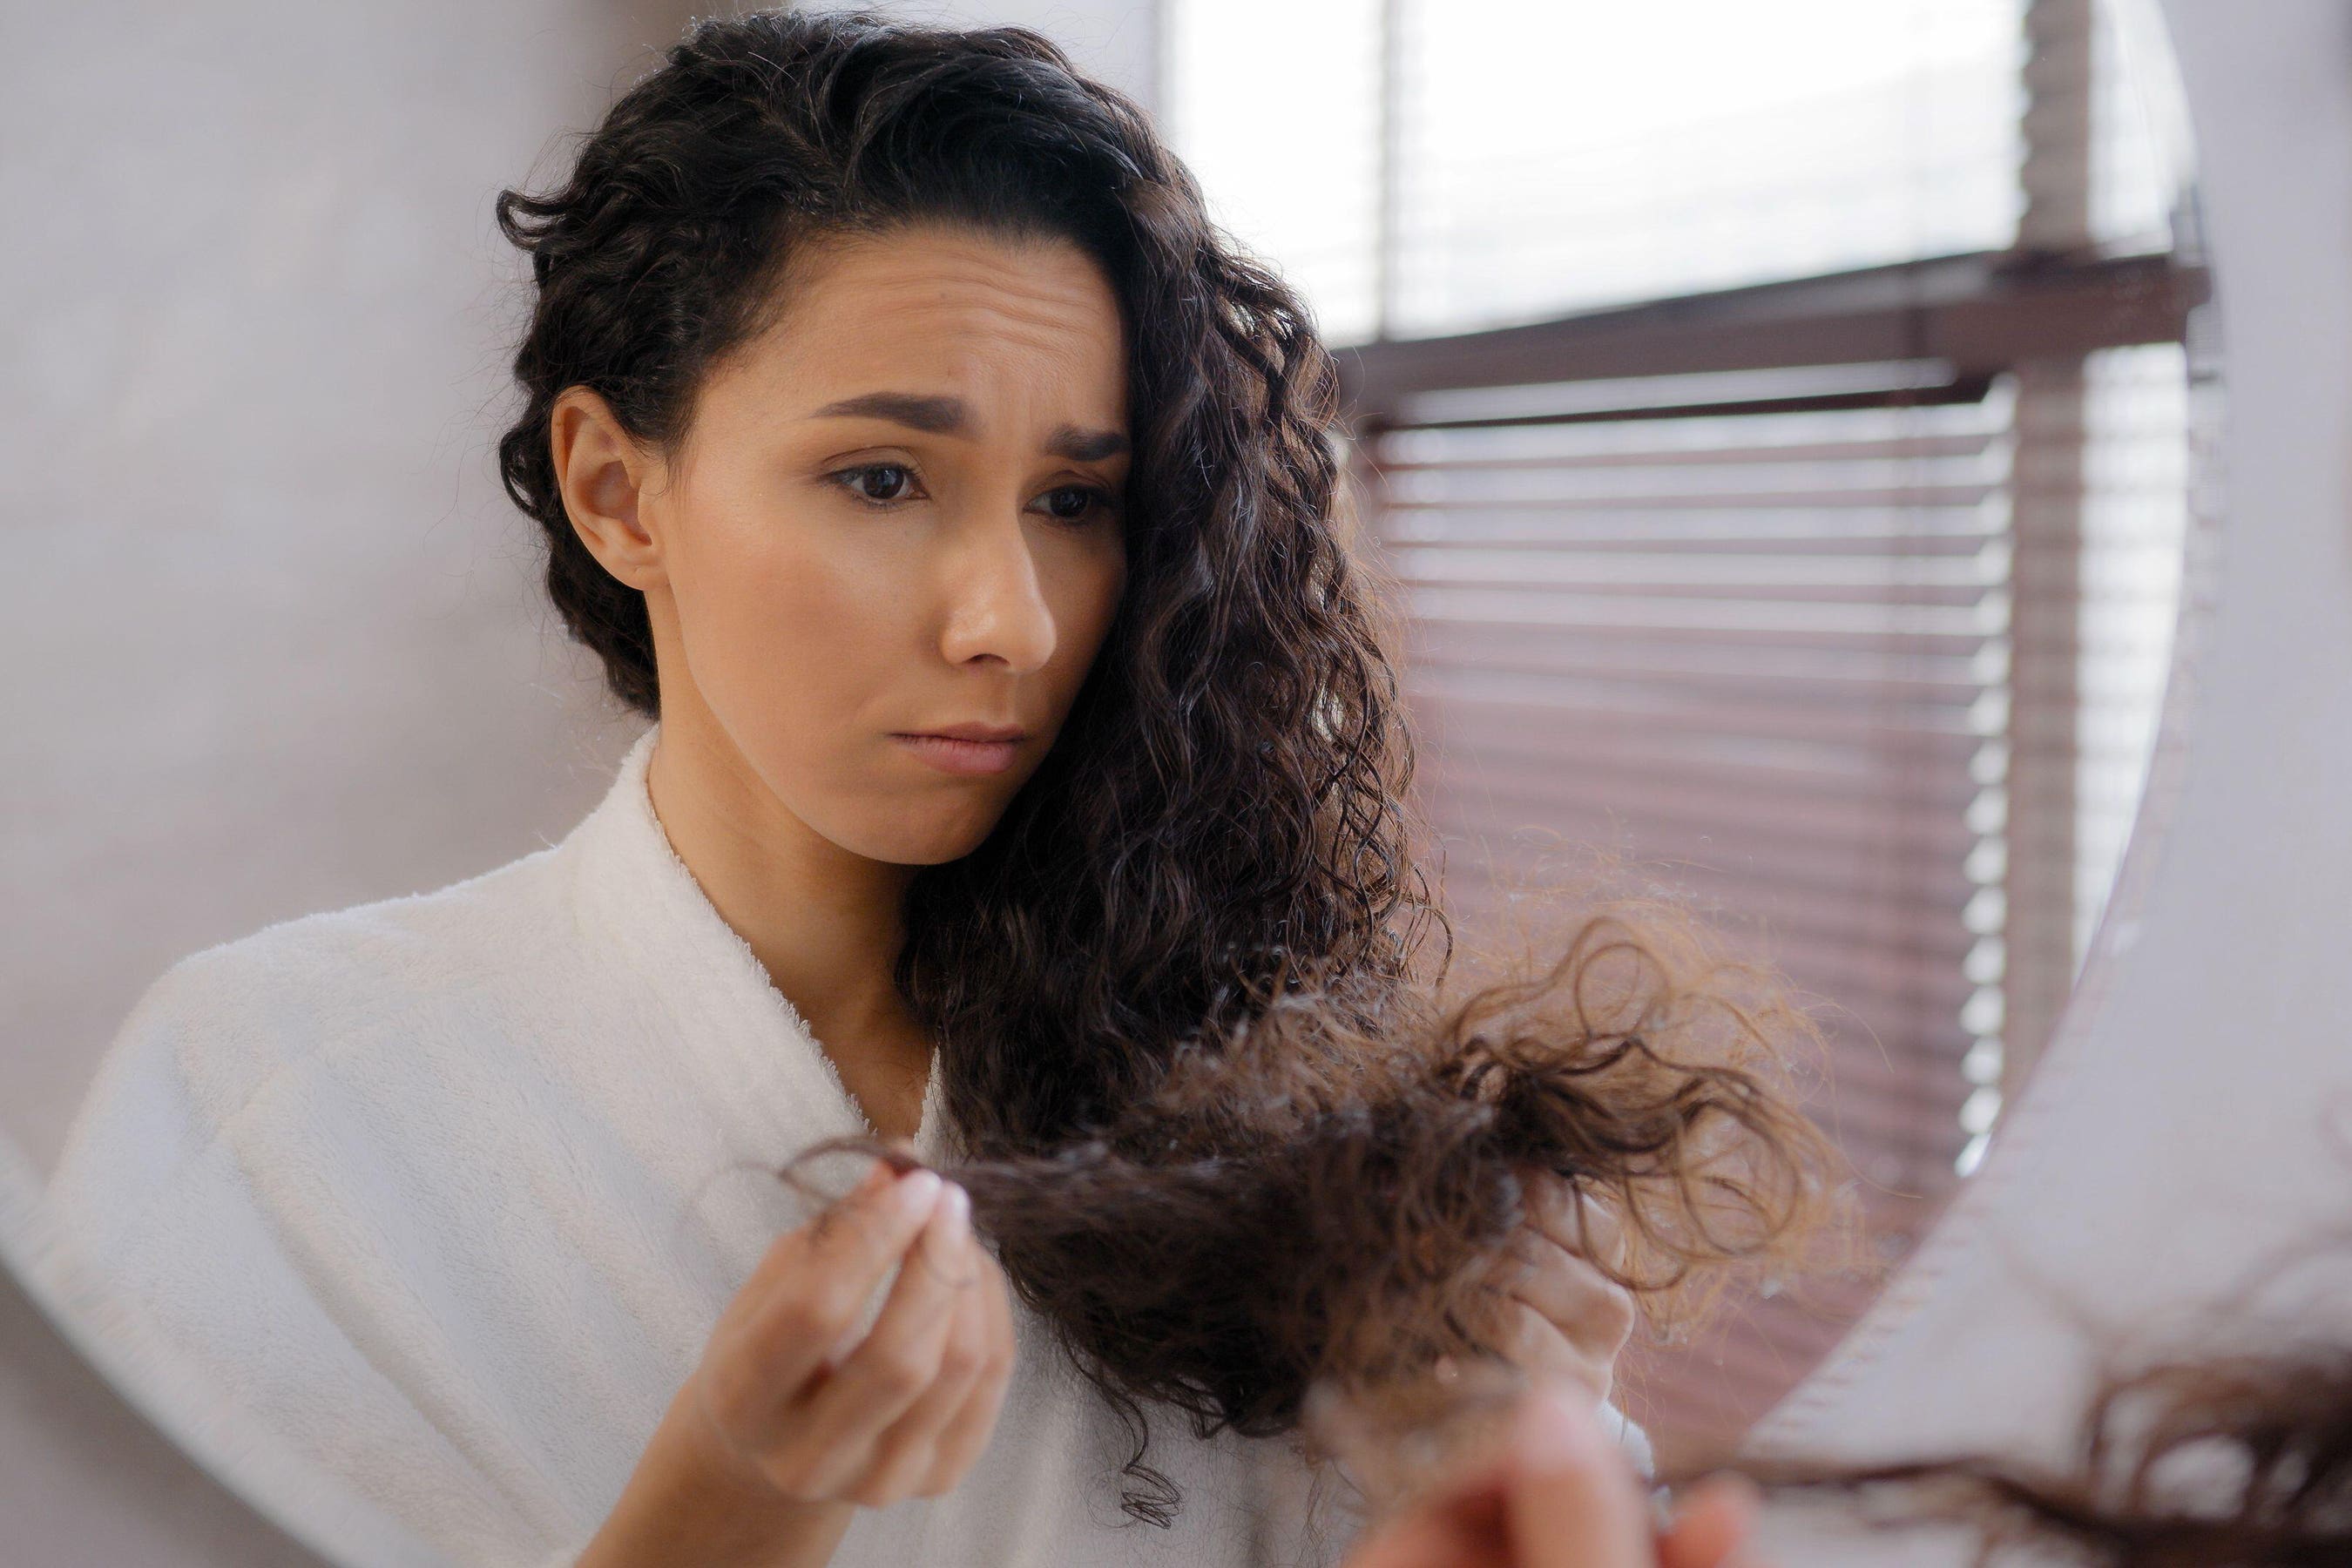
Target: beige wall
<point x="271" y="639"/>
<point x="270" y="635"/>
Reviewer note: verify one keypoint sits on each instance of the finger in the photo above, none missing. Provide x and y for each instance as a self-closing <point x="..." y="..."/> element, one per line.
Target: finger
<point x="1594" y="1311"/>
<point x="847" y="1410"/>
<point x="1462" y="1528"/>
<point x="787" y="1256"/>
<point x="967" y="1431"/>
<point x="1572" y="1500"/>
<point x="1540" y="1347"/>
<point x="868" y="1228"/>
<point x="1605" y="1230"/>
<point x="905" y="1460"/>
<point x="911" y="1454"/>
<point x="855" y="1240"/>
<point x="1713" y="1524"/>
<point x="1457" y="1521"/>
<point x="1536" y="1346"/>
<point x="757" y="1367"/>
<point x="1574" y="1218"/>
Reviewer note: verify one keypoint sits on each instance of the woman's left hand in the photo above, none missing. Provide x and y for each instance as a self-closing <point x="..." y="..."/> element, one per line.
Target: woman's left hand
<point x="1573" y="1319"/>
<point x="1570" y="1322"/>
<point x="1558" y="1494"/>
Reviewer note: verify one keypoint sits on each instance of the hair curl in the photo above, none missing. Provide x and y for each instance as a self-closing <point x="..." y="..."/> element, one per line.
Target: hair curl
<point x="1326" y="1194"/>
<point x="1184" y="992"/>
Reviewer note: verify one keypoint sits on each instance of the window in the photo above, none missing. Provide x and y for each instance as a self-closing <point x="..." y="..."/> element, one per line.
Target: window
<point x="1779" y="419"/>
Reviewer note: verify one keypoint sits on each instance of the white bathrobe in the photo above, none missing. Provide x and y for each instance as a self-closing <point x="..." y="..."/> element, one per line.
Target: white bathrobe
<point x="452" y="1188"/>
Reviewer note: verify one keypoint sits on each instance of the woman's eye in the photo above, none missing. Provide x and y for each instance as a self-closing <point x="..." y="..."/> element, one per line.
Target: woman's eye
<point x="894" y="481"/>
<point x="882" y="483"/>
<point x="1076" y="503"/>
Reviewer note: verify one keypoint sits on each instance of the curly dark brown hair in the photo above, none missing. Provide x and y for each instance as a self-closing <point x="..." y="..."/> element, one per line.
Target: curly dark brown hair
<point x="2200" y="1460"/>
<point x="1325" y="1195"/>
<point x="1218" y="1128"/>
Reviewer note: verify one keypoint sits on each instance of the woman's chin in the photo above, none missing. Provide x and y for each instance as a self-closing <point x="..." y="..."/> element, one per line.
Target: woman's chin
<point x="935" y="845"/>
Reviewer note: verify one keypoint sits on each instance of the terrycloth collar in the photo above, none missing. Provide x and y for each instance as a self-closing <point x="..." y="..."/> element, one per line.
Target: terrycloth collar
<point x="639" y="904"/>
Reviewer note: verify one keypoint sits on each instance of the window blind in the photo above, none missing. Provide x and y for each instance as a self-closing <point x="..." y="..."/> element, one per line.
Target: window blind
<point x="1757" y="655"/>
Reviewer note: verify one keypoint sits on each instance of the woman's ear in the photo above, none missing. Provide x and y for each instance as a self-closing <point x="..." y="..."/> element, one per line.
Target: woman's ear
<point x="603" y="475"/>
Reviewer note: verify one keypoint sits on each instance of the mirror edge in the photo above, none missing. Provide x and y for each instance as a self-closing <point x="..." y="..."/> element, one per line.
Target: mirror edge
<point x="1958" y="1231"/>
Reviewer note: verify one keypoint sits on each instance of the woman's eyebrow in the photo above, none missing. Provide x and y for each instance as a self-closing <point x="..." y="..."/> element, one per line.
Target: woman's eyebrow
<point x="939" y="414"/>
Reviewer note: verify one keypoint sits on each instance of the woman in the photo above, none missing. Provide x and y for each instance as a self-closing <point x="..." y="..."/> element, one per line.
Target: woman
<point x="912" y="449"/>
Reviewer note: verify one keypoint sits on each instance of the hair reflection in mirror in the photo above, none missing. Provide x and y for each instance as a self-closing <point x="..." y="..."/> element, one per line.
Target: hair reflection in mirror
<point x="2188" y="1463"/>
<point x="1220" y="1125"/>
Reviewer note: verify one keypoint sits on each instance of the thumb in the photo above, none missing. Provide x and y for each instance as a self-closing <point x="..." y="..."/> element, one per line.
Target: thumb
<point x="1572" y="1500"/>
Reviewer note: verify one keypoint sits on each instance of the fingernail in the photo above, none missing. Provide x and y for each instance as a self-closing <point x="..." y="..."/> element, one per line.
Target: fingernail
<point x="1555" y="1431"/>
<point x="956" y="1204"/>
<point x="917" y="1191"/>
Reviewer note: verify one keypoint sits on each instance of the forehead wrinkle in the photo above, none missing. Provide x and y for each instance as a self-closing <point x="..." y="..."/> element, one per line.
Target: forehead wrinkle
<point x="1057" y="335"/>
<point x="869" y="303"/>
<point x="1048" y="311"/>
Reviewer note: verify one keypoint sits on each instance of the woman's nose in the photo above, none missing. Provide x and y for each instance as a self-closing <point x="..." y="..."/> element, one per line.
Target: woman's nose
<point x="996" y="601"/>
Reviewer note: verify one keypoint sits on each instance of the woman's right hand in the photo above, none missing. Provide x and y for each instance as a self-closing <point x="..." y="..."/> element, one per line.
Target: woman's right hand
<point x="790" y="1422"/>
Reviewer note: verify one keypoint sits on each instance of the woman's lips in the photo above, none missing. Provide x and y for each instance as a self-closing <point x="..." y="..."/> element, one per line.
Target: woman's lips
<point x="954" y="756"/>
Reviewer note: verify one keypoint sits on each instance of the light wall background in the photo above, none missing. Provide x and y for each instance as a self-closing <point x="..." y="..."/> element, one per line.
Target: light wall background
<point x="271" y="637"/>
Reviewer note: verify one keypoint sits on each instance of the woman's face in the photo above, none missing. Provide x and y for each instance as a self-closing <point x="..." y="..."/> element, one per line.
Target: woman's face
<point x="898" y="510"/>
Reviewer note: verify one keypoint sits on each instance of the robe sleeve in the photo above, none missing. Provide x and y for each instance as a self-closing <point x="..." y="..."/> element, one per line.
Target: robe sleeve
<point x="265" y="1265"/>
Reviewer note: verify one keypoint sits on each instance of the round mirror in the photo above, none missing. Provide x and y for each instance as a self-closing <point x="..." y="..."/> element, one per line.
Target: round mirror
<point x="1785" y="429"/>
